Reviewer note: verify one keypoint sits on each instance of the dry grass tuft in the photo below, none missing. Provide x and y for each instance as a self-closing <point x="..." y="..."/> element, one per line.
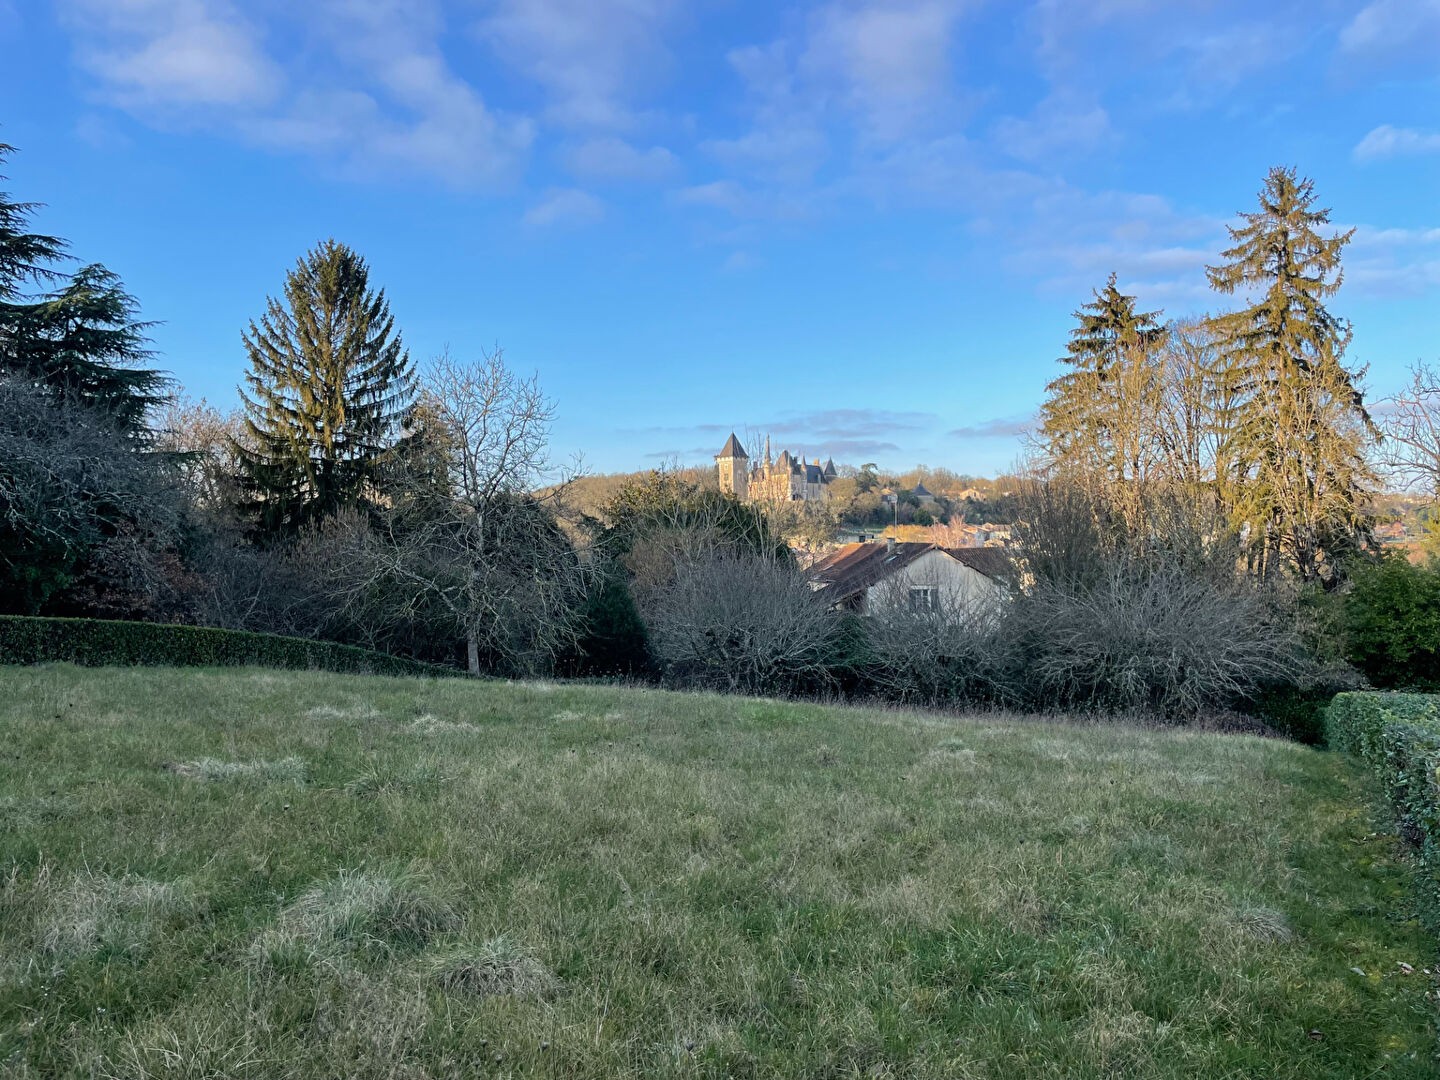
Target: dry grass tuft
<point x="356" y="910"/>
<point x="349" y="712"/>
<point x="433" y="725"/>
<point x="94" y="911"/>
<point x="500" y="966"/>
<point x="1263" y="924"/>
<point x="290" y="770"/>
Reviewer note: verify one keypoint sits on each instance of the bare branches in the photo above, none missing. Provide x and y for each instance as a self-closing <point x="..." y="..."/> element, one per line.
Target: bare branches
<point x="742" y="623"/>
<point x="467" y="549"/>
<point x="1410" y="431"/>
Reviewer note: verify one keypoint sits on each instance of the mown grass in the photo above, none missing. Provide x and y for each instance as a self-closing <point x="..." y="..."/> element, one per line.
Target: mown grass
<point x="245" y="873"/>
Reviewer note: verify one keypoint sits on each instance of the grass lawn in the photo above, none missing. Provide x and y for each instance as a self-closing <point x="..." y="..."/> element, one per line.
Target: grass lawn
<point x="246" y="873"/>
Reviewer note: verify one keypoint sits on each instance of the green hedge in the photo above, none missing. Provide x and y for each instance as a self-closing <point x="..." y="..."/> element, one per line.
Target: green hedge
<point x="1398" y="737"/>
<point x="100" y="642"/>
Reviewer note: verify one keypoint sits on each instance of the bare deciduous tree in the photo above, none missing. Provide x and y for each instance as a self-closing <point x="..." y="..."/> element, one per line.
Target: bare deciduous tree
<point x="467" y="546"/>
<point x="1410" y="429"/>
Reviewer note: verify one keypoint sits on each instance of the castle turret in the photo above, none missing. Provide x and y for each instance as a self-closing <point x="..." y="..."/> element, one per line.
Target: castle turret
<point x="733" y="465"/>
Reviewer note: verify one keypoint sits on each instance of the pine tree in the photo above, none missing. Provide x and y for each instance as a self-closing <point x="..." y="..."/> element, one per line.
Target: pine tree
<point x="1096" y="421"/>
<point x="1295" y="457"/>
<point x="79" y="335"/>
<point x="329" y="386"/>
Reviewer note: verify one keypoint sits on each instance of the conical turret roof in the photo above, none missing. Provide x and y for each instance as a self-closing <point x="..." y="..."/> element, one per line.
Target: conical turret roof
<point x="733" y="449"/>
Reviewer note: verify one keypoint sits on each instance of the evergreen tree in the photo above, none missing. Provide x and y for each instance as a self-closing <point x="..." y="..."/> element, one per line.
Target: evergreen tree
<point x="78" y="336"/>
<point x="1295" y="455"/>
<point x="1096" y="423"/>
<point x="329" y="386"/>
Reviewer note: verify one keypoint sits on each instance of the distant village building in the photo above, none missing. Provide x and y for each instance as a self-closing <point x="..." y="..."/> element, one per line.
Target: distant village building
<point x="869" y="578"/>
<point x="923" y="495"/>
<point x="786" y="479"/>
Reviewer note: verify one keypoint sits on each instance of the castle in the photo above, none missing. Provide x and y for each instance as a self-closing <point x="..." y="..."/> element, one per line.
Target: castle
<point x="786" y="479"/>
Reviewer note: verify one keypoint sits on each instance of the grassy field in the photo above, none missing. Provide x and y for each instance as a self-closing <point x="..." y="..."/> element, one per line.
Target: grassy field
<point x="259" y="874"/>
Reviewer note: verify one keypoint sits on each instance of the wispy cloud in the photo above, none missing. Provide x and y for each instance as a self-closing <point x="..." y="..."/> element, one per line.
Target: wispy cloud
<point x="374" y="95"/>
<point x="1387" y="141"/>
<point x="173" y="54"/>
<point x="611" y="158"/>
<point x="1393" y="29"/>
<point x="1004" y="427"/>
<point x="565" y="206"/>
<point x="591" y="56"/>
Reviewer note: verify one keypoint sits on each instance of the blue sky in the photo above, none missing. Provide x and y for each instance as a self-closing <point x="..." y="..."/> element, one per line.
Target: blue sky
<point x="859" y="224"/>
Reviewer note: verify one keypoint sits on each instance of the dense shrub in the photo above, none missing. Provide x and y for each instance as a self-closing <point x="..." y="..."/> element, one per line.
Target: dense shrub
<point x="100" y="642"/>
<point x="1150" y="636"/>
<point x="741" y="623"/>
<point x="1392" y="623"/>
<point x="1398" y="737"/>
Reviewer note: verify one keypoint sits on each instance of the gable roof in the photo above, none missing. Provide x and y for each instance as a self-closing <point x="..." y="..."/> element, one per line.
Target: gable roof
<point x="853" y="568"/>
<point x="993" y="562"/>
<point x="733" y="449"/>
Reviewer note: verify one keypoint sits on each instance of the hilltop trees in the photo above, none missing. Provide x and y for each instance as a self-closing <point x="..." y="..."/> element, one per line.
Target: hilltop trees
<point x="1297" y="473"/>
<point x="1099" y="418"/>
<point x="1252" y="411"/>
<point x="82" y="500"/>
<point x="329" y="385"/>
<point x="77" y="335"/>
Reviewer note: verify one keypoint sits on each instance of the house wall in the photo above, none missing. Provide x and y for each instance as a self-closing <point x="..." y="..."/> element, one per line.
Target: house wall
<point x="957" y="583"/>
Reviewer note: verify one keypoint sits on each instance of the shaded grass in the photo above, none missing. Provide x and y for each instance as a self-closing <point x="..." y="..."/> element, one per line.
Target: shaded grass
<point x="554" y="880"/>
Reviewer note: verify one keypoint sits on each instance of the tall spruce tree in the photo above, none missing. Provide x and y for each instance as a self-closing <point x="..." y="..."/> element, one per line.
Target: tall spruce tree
<point x="1295" y="454"/>
<point x="1096" y="421"/>
<point x="76" y="335"/>
<point x="328" y="388"/>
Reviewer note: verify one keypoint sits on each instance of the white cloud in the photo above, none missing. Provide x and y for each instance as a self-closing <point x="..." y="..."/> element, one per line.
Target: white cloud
<point x="891" y="58"/>
<point x="1059" y="126"/>
<point x="1387" y="141"/>
<point x="610" y="158"/>
<point x="173" y="53"/>
<point x="1386" y="28"/>
<point x="565" y="206"/>
<point x="718" y="195"/>
<point x="372" y="94"/>
<point x="1389" y="262"/>
<point x="591" y="55"/>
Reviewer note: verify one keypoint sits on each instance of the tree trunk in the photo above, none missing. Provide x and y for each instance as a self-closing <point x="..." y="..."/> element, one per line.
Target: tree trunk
<point x="472" y="654"/>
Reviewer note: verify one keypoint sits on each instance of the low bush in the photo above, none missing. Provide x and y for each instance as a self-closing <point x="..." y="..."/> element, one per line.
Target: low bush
<point x="1398" y="736"/>
<point x="104" y="642"/>
<point x="1392" y="623"/>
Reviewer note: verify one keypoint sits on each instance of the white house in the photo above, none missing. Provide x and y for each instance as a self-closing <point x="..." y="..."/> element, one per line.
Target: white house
<point x="871" y="577"/>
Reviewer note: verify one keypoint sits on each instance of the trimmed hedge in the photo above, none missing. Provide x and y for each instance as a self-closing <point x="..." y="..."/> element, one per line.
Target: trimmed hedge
<point x="100" y="642"/>
<point x="1398" y="737"/>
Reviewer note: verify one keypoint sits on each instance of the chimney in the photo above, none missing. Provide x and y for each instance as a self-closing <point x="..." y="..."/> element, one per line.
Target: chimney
<point x="889" y="546"/>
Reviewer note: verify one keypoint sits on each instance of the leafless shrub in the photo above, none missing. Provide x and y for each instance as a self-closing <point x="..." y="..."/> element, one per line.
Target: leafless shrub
<point x="742" y="623"/>
<point x="82" y="500"/>
<point x="954" y="650"/>
<point x="1161" y="639"/>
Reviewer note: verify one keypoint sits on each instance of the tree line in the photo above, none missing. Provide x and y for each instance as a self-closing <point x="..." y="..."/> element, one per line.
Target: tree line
<point x="1201" y="489"/>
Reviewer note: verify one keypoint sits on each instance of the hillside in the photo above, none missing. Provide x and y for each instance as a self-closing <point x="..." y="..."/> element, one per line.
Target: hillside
<point x="250" y="873"/>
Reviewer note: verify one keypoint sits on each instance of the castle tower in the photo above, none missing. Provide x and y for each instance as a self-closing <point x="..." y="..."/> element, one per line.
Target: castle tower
<point x="734" y="467"/>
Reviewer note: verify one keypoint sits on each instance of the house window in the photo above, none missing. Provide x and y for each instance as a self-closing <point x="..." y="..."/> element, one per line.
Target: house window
<point x="924" y="598"/>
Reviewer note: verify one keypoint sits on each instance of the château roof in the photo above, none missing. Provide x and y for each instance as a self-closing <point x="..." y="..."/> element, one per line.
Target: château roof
<point x="920" y="489"/>
<point x="733" y="449"/>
